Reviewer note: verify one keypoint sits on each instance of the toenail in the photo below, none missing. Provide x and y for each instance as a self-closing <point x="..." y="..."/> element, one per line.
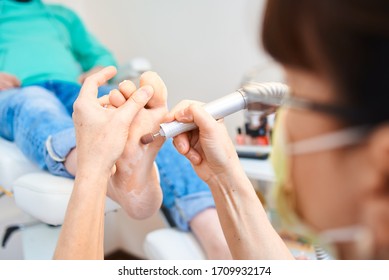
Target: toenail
<point x="125" y="81"/>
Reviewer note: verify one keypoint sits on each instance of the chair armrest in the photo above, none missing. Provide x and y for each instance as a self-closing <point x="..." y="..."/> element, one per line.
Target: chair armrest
<point x="45" y="196"/>
<point x="172" y="244"/>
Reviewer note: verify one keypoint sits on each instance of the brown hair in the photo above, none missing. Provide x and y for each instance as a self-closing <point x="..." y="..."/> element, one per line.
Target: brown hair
<point x="347" y="40"/>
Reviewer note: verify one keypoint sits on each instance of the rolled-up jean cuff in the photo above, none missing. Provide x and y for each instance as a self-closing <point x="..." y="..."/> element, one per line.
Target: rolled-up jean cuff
<point x="187" y="207"/>
<point x="58" y="147"/>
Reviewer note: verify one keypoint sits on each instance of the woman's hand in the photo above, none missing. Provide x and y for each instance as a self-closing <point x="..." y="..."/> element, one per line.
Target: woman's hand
<point x="209" y="148"/>
<point x="102" y="131"/>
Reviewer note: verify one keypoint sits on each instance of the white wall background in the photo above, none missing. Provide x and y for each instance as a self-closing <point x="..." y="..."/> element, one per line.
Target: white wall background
<point x="200" y="48"/>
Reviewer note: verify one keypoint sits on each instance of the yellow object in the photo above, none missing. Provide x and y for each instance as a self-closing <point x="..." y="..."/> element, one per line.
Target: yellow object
<point x="7" y="193"/>
<point x="281" y="165"/>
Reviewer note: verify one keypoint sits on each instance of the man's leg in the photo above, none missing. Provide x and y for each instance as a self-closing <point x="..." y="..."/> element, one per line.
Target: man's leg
<point x="29" y="116"/>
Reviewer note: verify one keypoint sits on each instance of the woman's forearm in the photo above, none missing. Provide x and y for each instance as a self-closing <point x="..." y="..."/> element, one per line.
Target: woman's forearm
<point x="82" y="234"/>
<point x="246" y="227"/>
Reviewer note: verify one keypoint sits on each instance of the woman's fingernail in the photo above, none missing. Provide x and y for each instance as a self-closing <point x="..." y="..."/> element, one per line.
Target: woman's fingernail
<point x="193" y="158"/>
<point x="183" y="117"/>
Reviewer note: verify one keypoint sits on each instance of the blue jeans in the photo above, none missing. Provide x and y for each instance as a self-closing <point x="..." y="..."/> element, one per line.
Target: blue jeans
<point x="30" y="115"/>
<point x="184" y="193"/>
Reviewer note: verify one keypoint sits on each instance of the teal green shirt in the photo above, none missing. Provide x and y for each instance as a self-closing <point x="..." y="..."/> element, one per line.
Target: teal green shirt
<point x="40" y="42"/>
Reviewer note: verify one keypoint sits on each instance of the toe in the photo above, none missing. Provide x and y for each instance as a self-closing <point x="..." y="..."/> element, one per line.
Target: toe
<point x="127" y="88"/>
<point x="160" y="92"/>
<point x="116" y="98"/>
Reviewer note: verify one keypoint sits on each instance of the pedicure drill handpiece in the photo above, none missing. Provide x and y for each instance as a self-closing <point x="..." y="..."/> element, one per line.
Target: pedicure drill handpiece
<point x="222" y="107"/>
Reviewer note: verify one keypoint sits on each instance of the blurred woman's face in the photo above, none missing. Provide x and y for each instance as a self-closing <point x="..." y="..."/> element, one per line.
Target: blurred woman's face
<point x="329" y="186"/>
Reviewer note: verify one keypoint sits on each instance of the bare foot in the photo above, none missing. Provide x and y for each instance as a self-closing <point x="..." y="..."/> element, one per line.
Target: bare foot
<point x="135" y="185"/>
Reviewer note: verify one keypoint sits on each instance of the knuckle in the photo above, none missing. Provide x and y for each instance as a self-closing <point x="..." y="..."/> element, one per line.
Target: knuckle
<point x="193" y="107"/>
<point x="77" y="105"/>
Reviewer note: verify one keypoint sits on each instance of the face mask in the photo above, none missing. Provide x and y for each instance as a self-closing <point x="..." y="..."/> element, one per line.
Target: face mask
<point x="284" y="192"/>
